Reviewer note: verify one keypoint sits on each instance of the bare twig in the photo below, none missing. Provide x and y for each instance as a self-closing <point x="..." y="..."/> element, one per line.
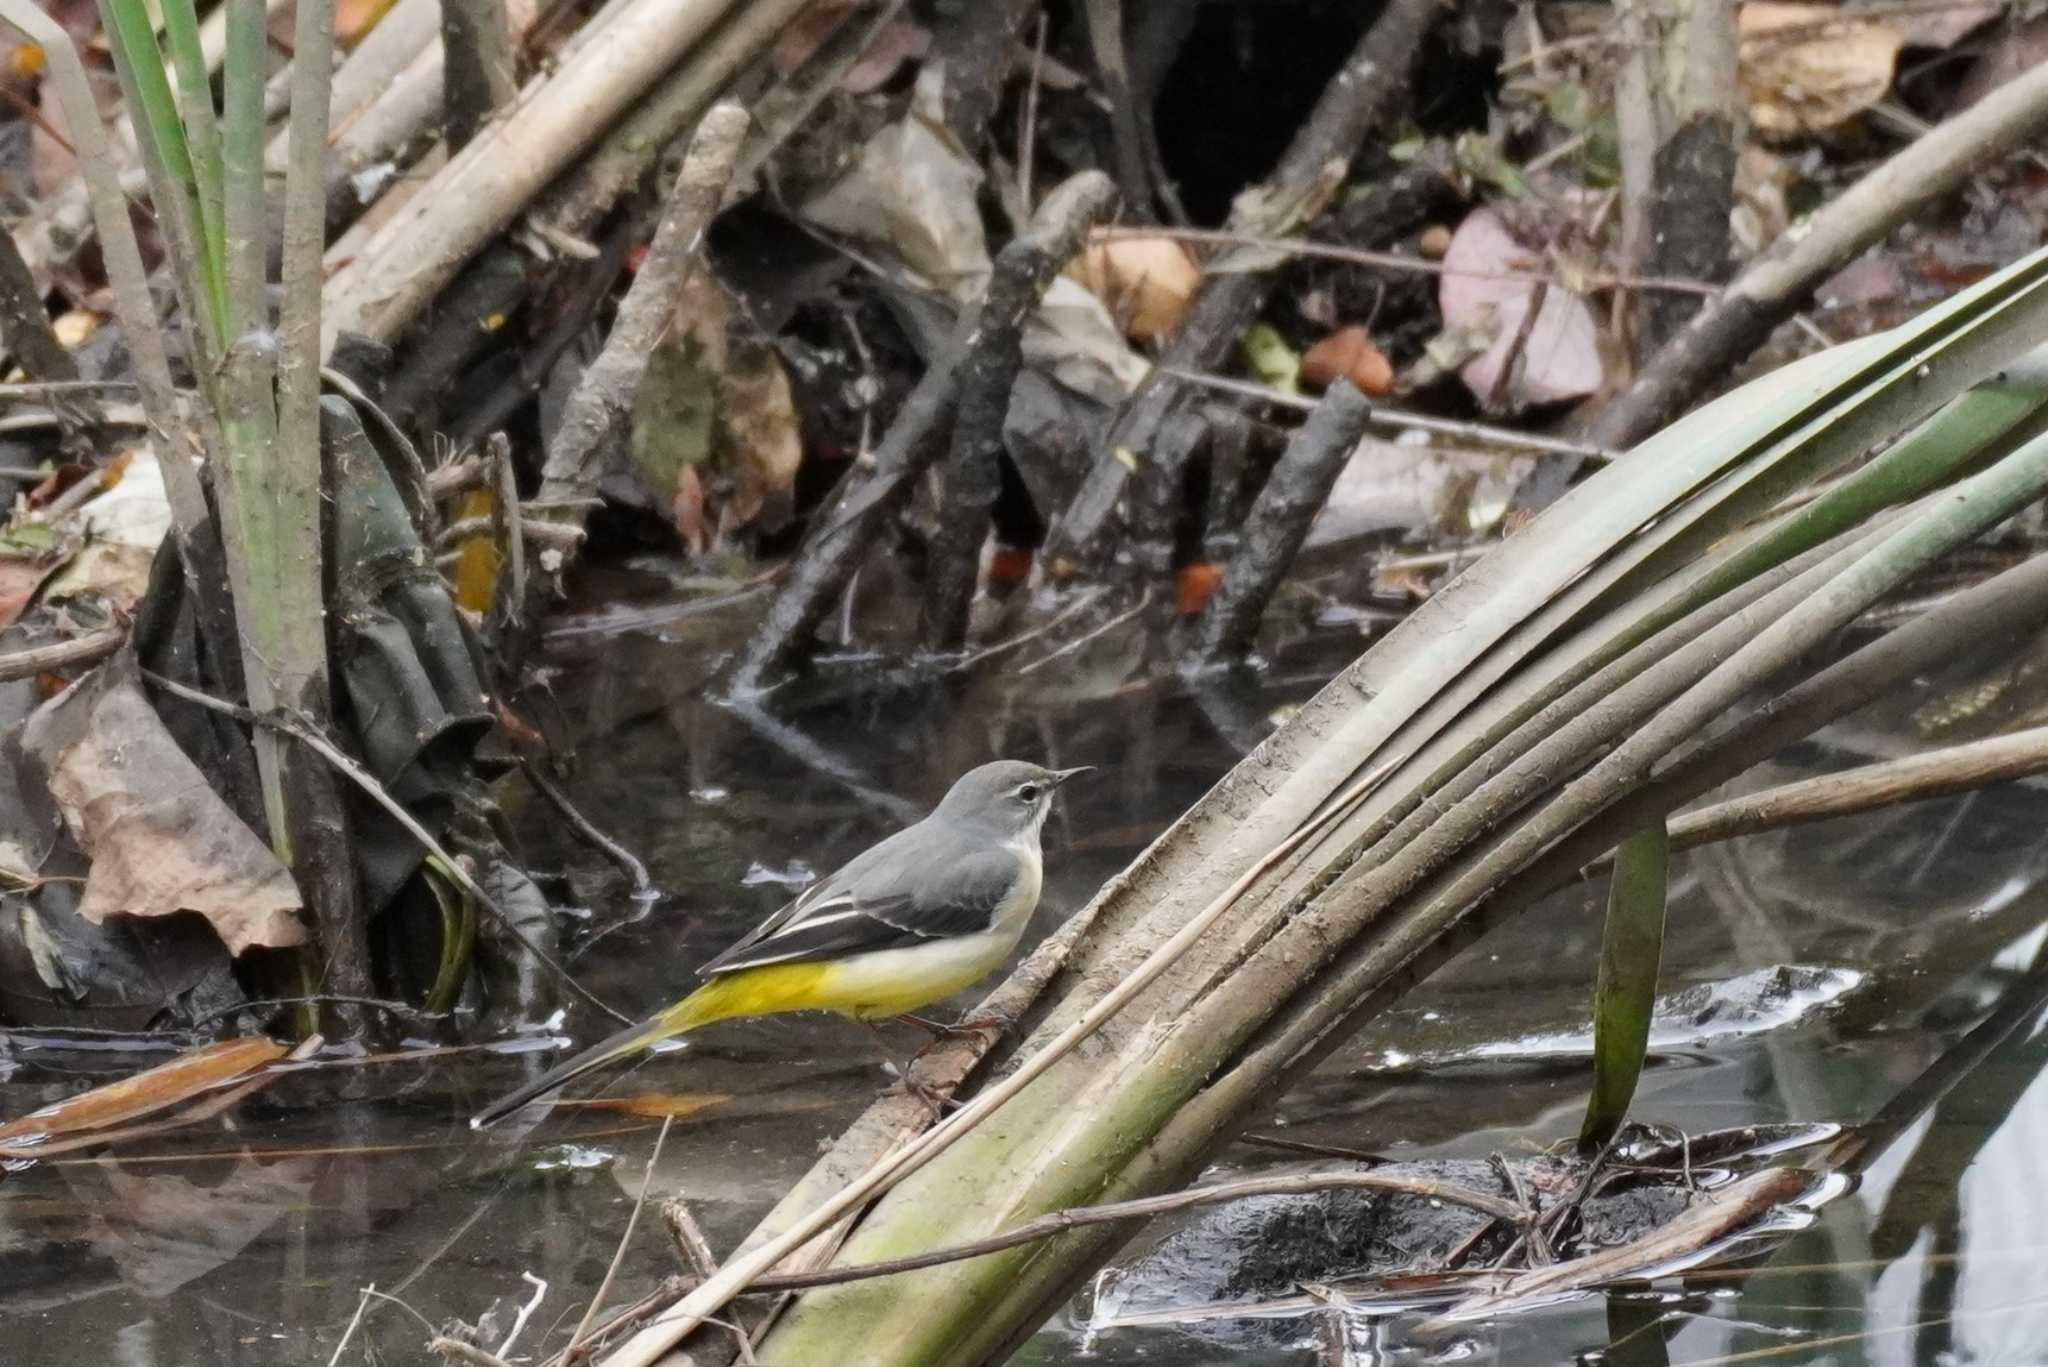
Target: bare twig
<point x="696" y="1249"/>
<point x="619" y="1254"/>
<point x="363" y="779"/>
<point x="611" y="849"/>
<point x="362" y="1304"/>
<point x="1402" y="261"/>
<point x="455" y="1350"/>
<point x="540" y="1290"/>
<point x="94" y="645"/>
<point x="1383" y="416"/>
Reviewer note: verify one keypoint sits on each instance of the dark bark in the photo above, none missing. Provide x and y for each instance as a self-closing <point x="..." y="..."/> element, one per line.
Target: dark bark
<point x="25" y="322"/>
<point x="477" y="74"/>
<point x="978" y="44"/>
<point x="1308" y="174"/>
<point x="829" y="558"/>
<point x="1280" y="518"/>
<point x="1695" y="171"/>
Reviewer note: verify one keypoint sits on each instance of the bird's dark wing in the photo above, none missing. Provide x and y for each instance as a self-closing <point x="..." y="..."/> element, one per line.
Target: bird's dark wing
<point x="888" y="904"/>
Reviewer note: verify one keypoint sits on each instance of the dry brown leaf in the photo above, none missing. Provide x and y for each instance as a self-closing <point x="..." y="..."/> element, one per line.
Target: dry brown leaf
<point x="160" y="838"/>
<point x="653" y="1104"/>
<point x="1146" y="282"/>
<point x="166" y="1085"/>
<point x="1808" y="68"/>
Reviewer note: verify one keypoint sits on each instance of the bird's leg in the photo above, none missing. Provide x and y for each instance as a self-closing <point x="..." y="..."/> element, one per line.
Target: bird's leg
<point x="934" y="1100"/>
<point x="991" y="1023"/>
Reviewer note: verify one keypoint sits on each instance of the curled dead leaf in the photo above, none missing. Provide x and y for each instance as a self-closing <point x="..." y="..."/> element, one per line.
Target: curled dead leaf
<point x="160" y="838"/>
<point x="159" y="1088"/>
<point x="1146" y="282"/>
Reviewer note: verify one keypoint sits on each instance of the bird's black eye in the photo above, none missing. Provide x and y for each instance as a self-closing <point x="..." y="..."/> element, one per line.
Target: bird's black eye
<point x="1029" y="793"/>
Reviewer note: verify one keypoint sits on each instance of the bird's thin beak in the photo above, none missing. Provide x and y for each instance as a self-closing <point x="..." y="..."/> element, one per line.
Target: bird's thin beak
<point x="1060" y="776"/>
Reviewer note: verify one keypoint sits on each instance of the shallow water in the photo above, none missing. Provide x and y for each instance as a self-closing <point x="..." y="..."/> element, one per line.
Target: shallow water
<point x="1810" y="976"/>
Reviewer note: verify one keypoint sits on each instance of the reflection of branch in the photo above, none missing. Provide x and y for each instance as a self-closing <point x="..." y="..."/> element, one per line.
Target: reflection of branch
<point x="1938" y="773"/>
<point x="363" y="779"/>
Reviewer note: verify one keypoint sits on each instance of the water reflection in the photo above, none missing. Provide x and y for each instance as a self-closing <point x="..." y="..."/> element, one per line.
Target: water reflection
<point x="1870" y="948"/>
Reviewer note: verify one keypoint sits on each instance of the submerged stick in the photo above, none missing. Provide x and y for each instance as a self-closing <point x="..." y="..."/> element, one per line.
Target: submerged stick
<point x="1144" y="1208"/>
<point x="829" y="558"/>
<point x="1280" y="518"/>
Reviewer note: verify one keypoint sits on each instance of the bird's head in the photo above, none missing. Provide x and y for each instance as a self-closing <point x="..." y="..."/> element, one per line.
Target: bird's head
<point x="1008" y="798"/>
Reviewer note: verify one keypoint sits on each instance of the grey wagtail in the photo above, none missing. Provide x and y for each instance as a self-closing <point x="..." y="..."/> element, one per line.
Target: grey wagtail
<point x="909" y="921"/>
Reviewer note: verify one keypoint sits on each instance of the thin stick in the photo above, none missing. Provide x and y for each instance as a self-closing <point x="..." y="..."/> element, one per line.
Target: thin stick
<point x="364" y="780"/>
<point x="94" y="645"/>
<point x="619" y="1254"/>
<point x="1400" y="261"/>
<point x="1060" y="1221"/>
<point x="689" y="1236"/>
<point x="670" y="1327"/>
<point x="362" y="1304"/>
<point x="1393" y="417"/>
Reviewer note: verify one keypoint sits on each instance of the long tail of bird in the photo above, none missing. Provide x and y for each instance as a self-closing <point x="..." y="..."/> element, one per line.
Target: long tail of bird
<point x="720" y="999"/>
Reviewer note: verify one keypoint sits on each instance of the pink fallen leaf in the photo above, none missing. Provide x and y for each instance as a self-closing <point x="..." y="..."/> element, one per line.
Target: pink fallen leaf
<point x="1557" y="357"/>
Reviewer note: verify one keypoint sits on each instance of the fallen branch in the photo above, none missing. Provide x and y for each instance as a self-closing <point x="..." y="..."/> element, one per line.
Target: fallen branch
<point x="1060" y="1221"/>
<point x="94" y="645"/>
<point x="1778" y="283"/>
<point x="988" y="372"/>
<point x="1279" y="520"/>
<point x="401" y="268"/>
<point x="1301" y="186"/>
<point x="829" y="558"/>
<point x="1938" y="773"/>
<point x="604" y="396"/>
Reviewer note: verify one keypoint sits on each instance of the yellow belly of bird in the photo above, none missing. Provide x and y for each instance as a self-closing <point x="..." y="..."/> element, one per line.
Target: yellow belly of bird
<point x="886" y="982"/>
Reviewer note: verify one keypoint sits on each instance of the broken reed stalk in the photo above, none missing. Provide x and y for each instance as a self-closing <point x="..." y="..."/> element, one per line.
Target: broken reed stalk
<point x="836" y="549"/>
<point x="1776" y="284"/>
<point x="386" y="281"/>
<point x="604" y="396"/>
<point x="1301" y="186"/>
<point x="490" y="288"/>
<point x="994" y="354"/>
<point x="1145" y="1208"/>
<point x="1279" y="520"/>
<point x="673" y="1324"/>
<point x="626" y="1237"/>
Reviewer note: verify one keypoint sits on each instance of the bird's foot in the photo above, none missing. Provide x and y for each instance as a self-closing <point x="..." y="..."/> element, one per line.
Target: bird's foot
<point x="935" y="1100"/>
